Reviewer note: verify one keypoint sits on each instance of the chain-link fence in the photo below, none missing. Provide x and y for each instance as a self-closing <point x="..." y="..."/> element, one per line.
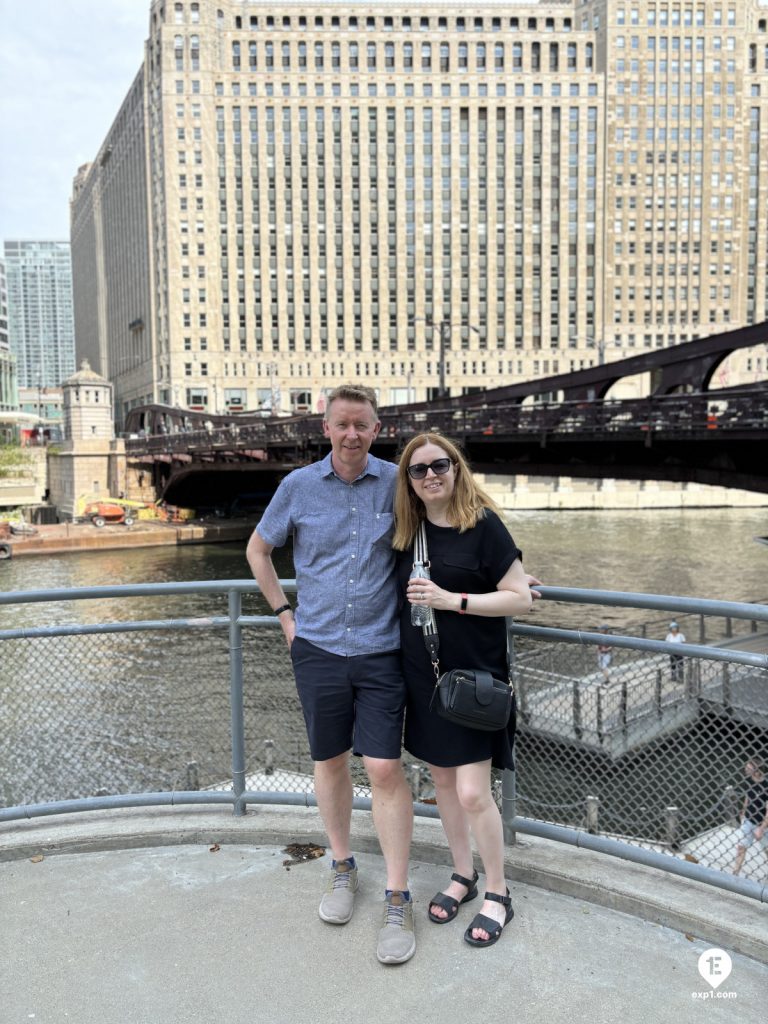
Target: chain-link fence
<point x="649" y="748"/>
<point x="643" y="745"/>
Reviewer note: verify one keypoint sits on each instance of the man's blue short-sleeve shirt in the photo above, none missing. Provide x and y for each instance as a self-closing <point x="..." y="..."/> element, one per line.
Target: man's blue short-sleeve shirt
<point x="342" y="554"/>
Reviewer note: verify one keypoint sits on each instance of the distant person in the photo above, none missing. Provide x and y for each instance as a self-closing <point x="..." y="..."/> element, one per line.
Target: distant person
<point x="604" y="656"/>
<point x="674" y="636"/>
<point x="754" y="812"/>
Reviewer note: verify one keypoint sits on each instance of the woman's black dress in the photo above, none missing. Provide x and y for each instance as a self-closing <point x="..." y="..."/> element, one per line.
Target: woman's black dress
<point x="471" y="563"/>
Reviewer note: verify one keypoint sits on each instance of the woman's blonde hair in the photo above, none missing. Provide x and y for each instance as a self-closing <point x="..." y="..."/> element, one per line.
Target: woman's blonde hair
<point x="468" y="501"/>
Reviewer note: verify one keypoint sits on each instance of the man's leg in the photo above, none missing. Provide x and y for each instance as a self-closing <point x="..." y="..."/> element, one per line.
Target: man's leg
<point x="328" y="705"/>
<point x="379" y="708"/>
<point x="392" y="817"/>
<point x="333" y="789"/>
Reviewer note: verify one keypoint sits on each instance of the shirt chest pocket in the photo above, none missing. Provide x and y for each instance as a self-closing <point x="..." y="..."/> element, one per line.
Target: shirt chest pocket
<point x="382" y="528"/>
<point x="462" y="561"/>
<point x="460" y="570"/>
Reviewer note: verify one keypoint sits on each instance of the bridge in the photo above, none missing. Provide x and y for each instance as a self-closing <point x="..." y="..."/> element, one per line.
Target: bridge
<point x="675" y="434"/>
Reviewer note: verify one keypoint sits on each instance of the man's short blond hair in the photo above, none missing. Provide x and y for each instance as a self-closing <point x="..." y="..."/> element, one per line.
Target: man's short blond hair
<point x="352" y="393"/>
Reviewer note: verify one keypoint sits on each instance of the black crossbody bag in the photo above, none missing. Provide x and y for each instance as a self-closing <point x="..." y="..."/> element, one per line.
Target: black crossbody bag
<point x="467" y="696"/>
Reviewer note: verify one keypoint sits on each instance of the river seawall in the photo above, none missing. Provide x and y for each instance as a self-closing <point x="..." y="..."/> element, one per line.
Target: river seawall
<point x="70" y="537"/>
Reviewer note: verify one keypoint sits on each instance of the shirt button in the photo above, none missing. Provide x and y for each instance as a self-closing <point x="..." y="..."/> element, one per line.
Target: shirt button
<point x="354" y="534"/>
<point x="353" y="556"/>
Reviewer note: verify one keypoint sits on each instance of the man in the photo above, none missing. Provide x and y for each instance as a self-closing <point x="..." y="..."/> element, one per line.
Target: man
<point x="344" y="641"/>
<point x="754" y="812"/>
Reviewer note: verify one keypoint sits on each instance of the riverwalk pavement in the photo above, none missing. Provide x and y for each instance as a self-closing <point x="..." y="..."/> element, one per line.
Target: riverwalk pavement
<point x="189" y="915"/>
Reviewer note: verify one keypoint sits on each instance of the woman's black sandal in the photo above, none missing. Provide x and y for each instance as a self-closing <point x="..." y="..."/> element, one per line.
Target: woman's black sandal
<point x="448" y="903"/>
<point x="488" y="924"/>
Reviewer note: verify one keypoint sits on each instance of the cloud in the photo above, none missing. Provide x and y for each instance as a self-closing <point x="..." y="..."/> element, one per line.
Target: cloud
<point x="64" y="70"/>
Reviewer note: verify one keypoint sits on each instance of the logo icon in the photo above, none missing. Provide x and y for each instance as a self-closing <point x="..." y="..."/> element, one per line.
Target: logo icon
<point x="714" y="966"/>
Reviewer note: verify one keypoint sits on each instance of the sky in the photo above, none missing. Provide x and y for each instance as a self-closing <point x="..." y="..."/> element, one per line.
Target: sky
<point x="65" y="68"/>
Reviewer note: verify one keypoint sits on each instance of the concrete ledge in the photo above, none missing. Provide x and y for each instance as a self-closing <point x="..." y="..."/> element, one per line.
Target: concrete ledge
<point x="66" y="537"/>
<point x="693" y="908"/>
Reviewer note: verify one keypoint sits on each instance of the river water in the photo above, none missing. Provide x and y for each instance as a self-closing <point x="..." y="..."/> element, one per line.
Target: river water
<point x="707" y="553"/>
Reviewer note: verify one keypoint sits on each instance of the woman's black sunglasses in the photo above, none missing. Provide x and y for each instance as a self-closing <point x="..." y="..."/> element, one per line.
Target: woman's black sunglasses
<point x="438" y="467"/>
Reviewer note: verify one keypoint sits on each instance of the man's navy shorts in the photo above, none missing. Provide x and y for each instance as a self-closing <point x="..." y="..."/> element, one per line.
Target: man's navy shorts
<point x="353" y="703"/>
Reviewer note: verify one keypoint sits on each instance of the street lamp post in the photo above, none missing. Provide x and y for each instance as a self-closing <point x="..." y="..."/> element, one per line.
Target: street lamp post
<point x="444" y="328"/>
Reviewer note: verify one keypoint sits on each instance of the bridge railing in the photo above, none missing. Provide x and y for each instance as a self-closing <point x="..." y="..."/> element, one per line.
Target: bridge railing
<point x="687" y="414"/>
<point x="193" y="703"/>
<point x="677" y="415"/>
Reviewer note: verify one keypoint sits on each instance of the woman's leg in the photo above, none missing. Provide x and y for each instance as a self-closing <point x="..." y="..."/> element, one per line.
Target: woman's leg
<point x="473" y="786"/>
<point x="456" y="828"/>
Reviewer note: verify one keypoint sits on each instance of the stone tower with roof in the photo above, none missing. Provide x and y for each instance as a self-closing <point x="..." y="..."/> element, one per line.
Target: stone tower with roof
<point x="87" y="406"/>
<point x="90" y="462"/>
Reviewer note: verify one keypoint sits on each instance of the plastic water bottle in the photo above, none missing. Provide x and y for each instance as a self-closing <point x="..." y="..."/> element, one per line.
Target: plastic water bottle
<point x="419" y="613"/>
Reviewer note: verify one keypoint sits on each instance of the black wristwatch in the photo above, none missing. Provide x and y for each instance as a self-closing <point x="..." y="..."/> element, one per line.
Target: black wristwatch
<point x="282" y="608"/>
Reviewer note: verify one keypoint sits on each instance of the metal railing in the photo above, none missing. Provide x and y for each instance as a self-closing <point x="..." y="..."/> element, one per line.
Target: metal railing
<point x="194" y="704"/>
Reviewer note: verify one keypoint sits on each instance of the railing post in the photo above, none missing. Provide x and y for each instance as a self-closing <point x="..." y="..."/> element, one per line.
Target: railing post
<point x="726" y="685"/>
<point x="672" y="825"/>
<point x="521" y="693"/>
<point x="414" y="775"/>
<point x="702" y="630"/>
<point x="728" y="627"/>
<point x="599" y="714"/>
<point x="508" y="804"/>
<point x="657" y="692"/>
<point x="235" y="605"/>
<point x="623" y="707"/>
<point x="193" y="776"/>
<point x="593" y="814"/>
<point x="576" y="697"/>
<point x="269" y="757"/>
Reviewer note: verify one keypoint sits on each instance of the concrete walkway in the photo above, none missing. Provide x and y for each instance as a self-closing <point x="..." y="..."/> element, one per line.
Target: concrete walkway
<point x="180" y="916"/>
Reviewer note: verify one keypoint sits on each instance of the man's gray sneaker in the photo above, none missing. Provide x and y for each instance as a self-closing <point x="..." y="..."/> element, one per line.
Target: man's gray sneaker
<point x="397" y="941"/>
<point x="338" y="900"/>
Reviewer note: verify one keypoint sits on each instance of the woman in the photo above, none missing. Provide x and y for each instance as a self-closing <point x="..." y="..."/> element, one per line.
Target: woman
<point x="477" y="578"/>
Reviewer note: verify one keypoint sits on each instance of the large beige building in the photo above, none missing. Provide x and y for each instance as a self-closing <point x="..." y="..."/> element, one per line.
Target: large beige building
<point x="414" y="195"/>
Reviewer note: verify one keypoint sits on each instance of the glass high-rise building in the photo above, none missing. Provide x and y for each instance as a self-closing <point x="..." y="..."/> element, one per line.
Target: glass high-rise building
<point x="297" y="194"/>
<point x="8" y="386"/>
<point x="40" y="318"/>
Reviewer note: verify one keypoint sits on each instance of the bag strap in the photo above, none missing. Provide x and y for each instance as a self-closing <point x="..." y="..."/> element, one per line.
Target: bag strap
<point x="429" y="629"/>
